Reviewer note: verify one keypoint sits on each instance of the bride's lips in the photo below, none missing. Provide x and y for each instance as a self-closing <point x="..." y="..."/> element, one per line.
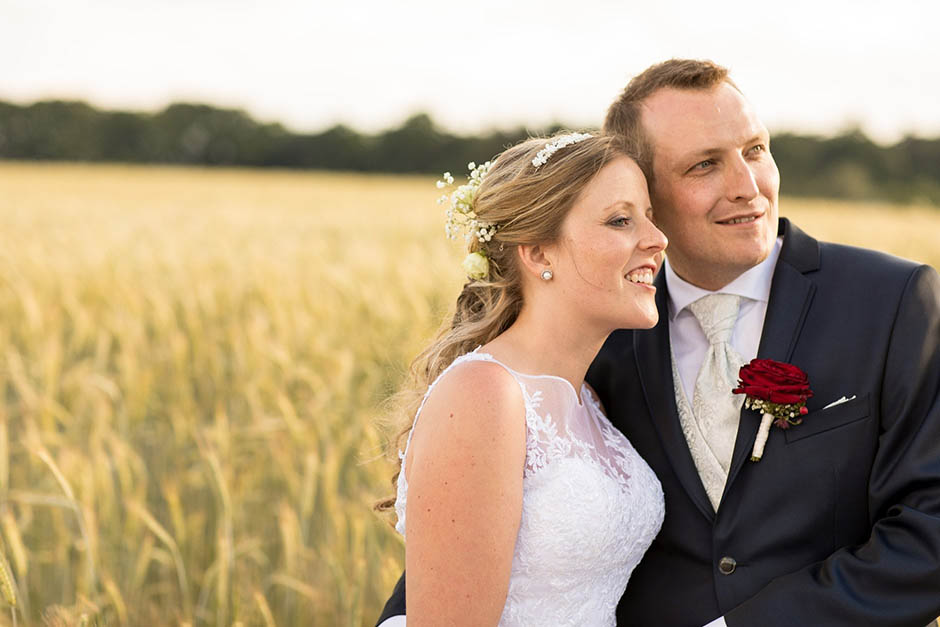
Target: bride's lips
<point x="642" y="276"/>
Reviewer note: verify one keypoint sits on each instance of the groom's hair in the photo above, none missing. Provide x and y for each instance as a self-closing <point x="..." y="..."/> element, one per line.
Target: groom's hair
<point x="623" y="116"/>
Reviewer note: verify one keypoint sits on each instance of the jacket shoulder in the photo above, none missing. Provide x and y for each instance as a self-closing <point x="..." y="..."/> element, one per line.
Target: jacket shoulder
<point x="865" y="261"/>
<point x="864" y="272"/>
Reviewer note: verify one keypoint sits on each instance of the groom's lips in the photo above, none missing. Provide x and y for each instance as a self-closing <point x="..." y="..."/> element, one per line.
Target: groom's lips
<point x="742" y="218"/>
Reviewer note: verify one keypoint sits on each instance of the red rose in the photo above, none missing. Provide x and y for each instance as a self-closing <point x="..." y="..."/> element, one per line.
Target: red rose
<point x="773" y="381"/>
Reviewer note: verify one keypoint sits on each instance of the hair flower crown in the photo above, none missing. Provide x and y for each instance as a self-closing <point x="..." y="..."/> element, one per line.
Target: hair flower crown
<point x="559" y="142"/>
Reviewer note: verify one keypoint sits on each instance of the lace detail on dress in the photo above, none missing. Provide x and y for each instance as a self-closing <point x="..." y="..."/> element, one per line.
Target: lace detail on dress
<point x="591" y="507"/>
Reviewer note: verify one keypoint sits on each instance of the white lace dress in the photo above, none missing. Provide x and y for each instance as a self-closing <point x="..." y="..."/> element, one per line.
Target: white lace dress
<point x="590" y="507"/>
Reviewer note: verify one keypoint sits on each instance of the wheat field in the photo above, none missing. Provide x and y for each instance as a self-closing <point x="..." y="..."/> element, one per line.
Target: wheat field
<point x="193" y="364"/>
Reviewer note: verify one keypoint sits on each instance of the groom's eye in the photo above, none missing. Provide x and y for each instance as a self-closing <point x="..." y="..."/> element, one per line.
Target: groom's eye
<point x="703" y="165"/>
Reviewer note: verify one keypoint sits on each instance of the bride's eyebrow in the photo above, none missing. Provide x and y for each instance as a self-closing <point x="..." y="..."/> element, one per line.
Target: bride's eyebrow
<point x="625" y="203"/>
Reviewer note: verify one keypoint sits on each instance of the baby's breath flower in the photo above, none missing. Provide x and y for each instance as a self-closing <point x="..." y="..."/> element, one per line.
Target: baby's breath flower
<point x="552" y="147"/>
<point x="460" y="215"/>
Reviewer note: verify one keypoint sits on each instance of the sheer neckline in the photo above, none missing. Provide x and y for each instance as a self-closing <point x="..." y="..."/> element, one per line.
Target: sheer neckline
<point x="579" y="397"/>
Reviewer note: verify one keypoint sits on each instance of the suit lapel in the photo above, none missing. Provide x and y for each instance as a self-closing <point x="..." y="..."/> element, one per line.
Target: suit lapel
<point x="653" y="354"/>
<point x="790" y="296"/>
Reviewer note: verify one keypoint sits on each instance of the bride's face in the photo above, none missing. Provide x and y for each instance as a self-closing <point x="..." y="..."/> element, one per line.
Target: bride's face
<point x="609" y="250"/>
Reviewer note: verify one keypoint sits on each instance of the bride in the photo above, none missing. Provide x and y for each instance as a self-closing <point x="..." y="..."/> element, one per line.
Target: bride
<point x="520" y="503"/>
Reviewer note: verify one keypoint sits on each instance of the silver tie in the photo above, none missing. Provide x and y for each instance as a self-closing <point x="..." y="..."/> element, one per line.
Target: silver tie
<point x="717" y="411"/>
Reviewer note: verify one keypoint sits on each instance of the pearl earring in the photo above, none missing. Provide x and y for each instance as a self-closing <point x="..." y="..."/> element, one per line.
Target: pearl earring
<point x="547" y="275"/>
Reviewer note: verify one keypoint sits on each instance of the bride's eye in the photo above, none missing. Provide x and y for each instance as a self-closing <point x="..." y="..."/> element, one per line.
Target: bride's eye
<point x="620" y="221"/>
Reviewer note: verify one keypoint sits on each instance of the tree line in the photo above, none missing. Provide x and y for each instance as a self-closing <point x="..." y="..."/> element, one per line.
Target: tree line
<point x="848" y="165"/>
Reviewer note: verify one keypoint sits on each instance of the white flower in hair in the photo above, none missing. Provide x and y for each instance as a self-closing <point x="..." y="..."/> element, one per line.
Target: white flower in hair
<point x="476" y="265"/>
<point x="552" y="147"/>
<point x="460" y="213"/>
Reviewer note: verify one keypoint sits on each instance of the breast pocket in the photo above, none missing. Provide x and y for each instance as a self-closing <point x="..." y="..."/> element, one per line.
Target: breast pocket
<point x="823" y="420"/>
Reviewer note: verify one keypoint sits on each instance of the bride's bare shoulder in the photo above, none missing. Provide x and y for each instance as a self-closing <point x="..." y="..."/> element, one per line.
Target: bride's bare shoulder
<point x="477" y="388"/>
<point x="477" y="403"/>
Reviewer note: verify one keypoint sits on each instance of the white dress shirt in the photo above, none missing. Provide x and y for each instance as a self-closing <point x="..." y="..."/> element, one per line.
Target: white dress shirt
<point x="689" y="343"/>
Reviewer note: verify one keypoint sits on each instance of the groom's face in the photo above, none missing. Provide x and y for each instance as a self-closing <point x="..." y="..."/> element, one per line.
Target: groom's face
<point x="715" y="183"/>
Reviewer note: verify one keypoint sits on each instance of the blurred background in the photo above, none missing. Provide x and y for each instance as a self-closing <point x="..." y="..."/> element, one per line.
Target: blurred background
<point x="220" y="250"/>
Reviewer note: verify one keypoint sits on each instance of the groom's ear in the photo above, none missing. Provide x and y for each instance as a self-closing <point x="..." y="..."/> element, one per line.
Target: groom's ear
<point x="535" y="258"/>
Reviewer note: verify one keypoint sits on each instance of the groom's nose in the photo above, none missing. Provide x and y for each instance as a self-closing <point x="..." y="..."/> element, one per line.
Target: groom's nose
<point x="740" y="180"/>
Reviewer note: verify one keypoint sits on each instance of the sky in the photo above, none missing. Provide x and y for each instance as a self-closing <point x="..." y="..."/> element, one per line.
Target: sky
<point x="810" y="66"/>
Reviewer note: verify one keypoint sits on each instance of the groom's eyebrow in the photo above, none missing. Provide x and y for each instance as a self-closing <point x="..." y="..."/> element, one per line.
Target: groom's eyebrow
<point x="692" y="158"/>
<point x="708" y="153"/>
<point x="759" y="137"/>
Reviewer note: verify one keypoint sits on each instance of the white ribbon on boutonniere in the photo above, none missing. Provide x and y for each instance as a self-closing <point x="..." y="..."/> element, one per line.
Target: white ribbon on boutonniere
<point x="778" y="391"/>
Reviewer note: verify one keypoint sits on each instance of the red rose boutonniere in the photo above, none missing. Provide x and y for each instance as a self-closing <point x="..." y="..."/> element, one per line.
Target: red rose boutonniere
<point x="777" y="390"/>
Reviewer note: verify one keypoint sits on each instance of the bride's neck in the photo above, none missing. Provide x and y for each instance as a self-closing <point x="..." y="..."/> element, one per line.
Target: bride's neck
<point x="542" y="342"/>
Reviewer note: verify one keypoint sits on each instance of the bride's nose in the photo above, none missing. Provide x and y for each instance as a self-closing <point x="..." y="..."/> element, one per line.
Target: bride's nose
<point x="653" y="239"/>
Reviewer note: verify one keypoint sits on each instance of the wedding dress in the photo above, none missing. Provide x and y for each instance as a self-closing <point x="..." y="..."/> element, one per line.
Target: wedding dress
<point x="590" y="507"/>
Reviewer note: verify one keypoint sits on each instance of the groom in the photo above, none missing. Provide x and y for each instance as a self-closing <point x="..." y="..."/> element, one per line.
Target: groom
<point x="839" y="522"/>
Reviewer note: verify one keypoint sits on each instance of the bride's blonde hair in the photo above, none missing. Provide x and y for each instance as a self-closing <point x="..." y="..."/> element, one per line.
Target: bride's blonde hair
<point x="528" y="205"/>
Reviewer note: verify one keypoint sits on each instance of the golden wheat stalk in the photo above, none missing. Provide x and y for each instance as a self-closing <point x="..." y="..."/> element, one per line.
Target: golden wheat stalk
<point x="44" y="455"/>
<point x="292" y="583"/>
<point x="225" y="535"/>
<point x="265" y="609"/>
<point x="117" y="600"/>
<point x="141" y="512"/>
<point x="14" y="540"/>
<point x="7" y="582"/>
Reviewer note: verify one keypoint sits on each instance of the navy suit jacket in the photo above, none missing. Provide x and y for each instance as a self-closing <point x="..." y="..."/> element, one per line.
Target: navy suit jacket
<point x="839" y="523"/>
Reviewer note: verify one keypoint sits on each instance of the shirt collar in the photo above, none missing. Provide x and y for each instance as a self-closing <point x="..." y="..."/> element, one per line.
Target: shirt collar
<point x="753" y="284"/>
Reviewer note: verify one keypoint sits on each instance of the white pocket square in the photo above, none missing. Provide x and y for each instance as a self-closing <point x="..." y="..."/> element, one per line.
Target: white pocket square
<point x="840" y="401"/>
